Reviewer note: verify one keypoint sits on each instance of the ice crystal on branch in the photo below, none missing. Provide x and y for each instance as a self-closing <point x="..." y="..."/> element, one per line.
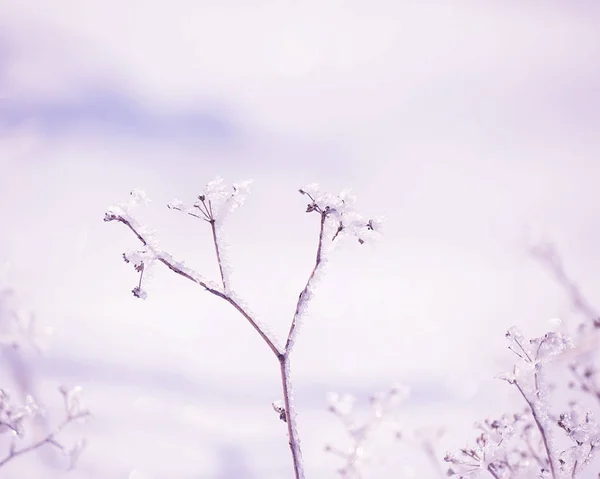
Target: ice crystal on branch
<point x="343" y="219"/>
<point x="583" y="429"/>
<point x="216" y="201"/>
<point x="527" y="445"/>
<point x="505" y="448"/>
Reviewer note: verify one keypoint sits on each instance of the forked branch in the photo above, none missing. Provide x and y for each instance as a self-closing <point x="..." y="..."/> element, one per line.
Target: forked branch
<point x="211" y="207"/>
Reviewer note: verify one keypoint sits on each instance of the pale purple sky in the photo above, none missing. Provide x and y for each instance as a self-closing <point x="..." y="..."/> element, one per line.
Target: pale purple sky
<point x="472" y="128"/>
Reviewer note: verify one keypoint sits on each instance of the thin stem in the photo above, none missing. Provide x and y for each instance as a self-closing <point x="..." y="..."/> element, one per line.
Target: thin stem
<point x="284" y="359"/>
<point x="294" y="440"/>
<point x="49" y="438"/>
<point x="302" y="297"/>
<point x="213" y="227"/>
<point x="272" y="346"/>
<point x="492" y="472"/>
<point x="541" y="427"/>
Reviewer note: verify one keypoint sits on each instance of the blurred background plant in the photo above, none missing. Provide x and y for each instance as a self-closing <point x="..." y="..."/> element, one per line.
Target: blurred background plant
<point x="24" y="425"/>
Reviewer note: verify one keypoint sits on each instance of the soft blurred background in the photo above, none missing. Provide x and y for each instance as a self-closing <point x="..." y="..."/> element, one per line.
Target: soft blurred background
<point x="473" y="127"/>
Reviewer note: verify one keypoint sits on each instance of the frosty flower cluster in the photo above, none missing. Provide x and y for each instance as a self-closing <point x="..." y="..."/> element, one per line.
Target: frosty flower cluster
<point x="340" y="209"/>
<point x="528" y="444"/>
<point x="217" y="200"/>
<point x="505" y="447"/>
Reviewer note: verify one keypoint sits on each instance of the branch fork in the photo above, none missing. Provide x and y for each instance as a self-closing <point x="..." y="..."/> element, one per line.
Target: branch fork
<point x="336" y="217"/>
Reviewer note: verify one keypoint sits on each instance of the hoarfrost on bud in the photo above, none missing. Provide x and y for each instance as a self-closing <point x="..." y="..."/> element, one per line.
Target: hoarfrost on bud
<point x="223" y="200"/>
<point x="552" y="345"/>
<point x="279" y="409"/>
<point x="508" y="377"/>
<point x="342" y="218"/>
<point x="140" y="293"/>
<point x="311" y="189"/>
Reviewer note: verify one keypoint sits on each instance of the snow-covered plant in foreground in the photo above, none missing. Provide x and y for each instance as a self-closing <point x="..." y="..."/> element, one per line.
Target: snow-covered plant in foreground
<point x="17" y="334"/>
<point x="552" y="437"/>
<point x="546" y="440"/>
<point x="337" y="219"/>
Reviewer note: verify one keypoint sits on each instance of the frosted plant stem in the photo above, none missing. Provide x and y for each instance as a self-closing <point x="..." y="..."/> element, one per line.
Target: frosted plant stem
<point x="542" y="428"/>
<point x="294" y="440"/>
<point x="491" y="471"/>
<point x="48" y="439"/>
<point x="302" y="299"/>
<point x="213" y="227"/>
<point x="284" y="359"/>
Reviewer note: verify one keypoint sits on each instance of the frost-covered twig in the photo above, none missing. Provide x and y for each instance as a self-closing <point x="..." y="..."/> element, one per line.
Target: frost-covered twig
<point x="12" y="419"/>
<point x="506" y="449"/>
<point x="142" y="259"/>
<point x="503" y="450"/>
<point x="337" y="219"/>
<point x="534" y="354"/>
<point x="584" y="430"/>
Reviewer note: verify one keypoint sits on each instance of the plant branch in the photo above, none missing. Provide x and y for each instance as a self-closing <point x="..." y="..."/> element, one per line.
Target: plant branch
<point x="48" y="439"/>
<point x="304" y="296"/>
<point x="284" y="359"/>
<point x="191" y="275"/>
<point x="540" y="423"/>
<point x="294" y="440"/>
<point x="213" y="227"/>
<point x="492" y="472"/>
<point x="283" y="355"/>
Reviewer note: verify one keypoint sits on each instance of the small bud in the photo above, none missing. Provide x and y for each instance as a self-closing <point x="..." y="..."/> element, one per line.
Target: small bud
<point x="278" y="408"/>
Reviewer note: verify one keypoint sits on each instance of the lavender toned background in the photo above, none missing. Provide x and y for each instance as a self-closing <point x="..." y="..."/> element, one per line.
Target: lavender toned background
<point x="473" y="128"/>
